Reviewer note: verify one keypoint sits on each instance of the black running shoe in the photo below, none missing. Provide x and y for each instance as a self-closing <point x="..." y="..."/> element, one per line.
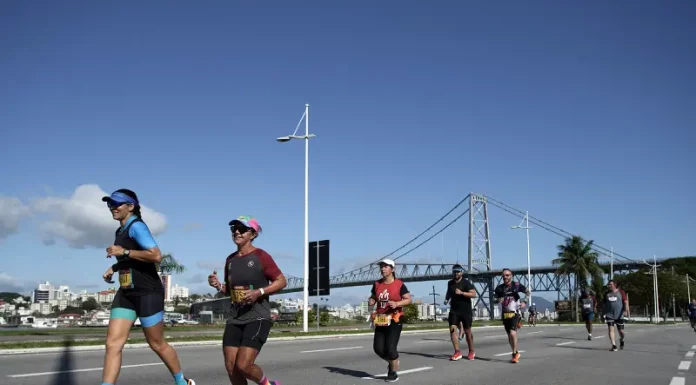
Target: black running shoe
<point x="392" y="376"/>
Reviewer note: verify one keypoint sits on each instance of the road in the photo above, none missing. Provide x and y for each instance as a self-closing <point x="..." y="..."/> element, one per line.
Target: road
<point x="551" y="355"/>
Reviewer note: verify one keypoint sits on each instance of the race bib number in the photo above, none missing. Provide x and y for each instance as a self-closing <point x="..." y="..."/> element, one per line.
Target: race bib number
<point x="383" y="320"/>
<point x="587" y="305"/>
<point x="125" y="279"/>
<point x="237" y="294"/>
<point x="508" y="315"/>
<point x="612" y="299"/>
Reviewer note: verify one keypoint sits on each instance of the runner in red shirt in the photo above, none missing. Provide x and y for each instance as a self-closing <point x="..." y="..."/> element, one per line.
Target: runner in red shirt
<point x="390" y="295"/>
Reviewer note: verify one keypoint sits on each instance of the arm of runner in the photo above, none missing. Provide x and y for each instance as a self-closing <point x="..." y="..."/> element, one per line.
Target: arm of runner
<point x="470" y="290"/>
<point x="273" y="274"/>
<point x="498" y="293"/>
<point x="405" y="296"/>
<point x="373" y="296"/>
<point x="141" y="234"/>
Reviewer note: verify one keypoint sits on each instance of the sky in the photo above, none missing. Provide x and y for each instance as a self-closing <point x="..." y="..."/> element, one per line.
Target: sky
<point x="582" y="114"/>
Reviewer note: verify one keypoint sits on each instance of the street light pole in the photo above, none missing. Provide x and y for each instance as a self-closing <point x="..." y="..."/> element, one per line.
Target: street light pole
<point x="306" y="137"/>
<point x="529" y="258"/>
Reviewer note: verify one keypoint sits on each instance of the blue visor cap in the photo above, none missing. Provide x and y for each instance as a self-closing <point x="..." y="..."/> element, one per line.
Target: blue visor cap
<point x="121" y="198"/>
<point x="458" y="270"/>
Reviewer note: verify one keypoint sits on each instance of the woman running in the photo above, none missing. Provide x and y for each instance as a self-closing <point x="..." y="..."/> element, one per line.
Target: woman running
<point x="141" y="294"/>
<point x="390" y="295"/>
<point x="248" y="272"/>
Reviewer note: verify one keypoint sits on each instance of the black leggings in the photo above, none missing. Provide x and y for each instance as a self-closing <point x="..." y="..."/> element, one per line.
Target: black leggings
<point x="386" y="341"/>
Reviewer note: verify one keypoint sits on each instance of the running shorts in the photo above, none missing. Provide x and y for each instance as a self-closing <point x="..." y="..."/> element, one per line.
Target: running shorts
<point x="588" y="317"/>
<point x="252" y="335"/>
<point x="510" y="320"/>
<point x="148" y="307"/>
<point x="466" y="318"/>
<point x="618" y="322"/>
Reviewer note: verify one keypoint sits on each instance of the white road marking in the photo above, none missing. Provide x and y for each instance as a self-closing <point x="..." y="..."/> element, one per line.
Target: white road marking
<point x="677" y="381"/>
<point x="507" y="354"/>
<point x="400" y="372"/>
<point x="684" y="365"/>
<point x="331" y="350"/>
<point x="78" y="370"/>
<point x="565" y="343"/>
<point x="540" y="331"/>
<point x="693" y="347"/>
<point x="597" y="338"/>
<point x="690" y="354"/>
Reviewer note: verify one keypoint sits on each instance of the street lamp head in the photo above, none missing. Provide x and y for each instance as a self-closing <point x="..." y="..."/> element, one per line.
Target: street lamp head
<point x="283" y="139"/>
<point x="514" y="227"/>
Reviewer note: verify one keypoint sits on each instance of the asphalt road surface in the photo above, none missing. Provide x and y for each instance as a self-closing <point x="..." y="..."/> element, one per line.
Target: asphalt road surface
<point x="550" y="356"/>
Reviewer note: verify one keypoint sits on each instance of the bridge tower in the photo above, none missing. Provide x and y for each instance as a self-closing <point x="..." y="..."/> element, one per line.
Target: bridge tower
<point x="479" y="232"/>
<point x="480" y="248"/>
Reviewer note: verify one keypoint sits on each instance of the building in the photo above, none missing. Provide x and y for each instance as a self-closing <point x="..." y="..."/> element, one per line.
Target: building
<point x="167" y="283"/>
<point x="180" y="291"/>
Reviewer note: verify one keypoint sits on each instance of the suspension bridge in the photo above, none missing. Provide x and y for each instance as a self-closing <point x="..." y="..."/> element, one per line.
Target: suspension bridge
<point x="479" y="264"/>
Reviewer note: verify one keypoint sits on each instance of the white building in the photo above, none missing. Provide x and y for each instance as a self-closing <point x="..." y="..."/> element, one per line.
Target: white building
<point x="180" y="291"/>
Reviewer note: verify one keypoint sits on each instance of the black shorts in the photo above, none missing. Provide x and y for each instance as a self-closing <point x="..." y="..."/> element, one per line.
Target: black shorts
<point x="466" y="318"/>
<point x="252" y="335"/>
<point x="618" y="322"/>
<point x="149" y="307"/>
<point x="511" y="323"/>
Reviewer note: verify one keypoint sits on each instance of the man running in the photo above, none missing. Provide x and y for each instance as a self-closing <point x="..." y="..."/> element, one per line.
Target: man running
<point x="532" y="314"/>
<point x="692" y="313"/>
<point x="589" y="308"/>
<point x="614" y="310"/>
<point x="459" y="294"/>
<point x="508" y="294"/>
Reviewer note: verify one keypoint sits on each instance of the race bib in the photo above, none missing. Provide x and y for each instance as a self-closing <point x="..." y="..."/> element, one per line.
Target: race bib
<point x="124" y="279"/>
<point x="237" y="293"/>
<point x="383" y="320"/>
<point x="508" y="315"/>
<point x="612" y="299"/>
<point x="587" y="305"/>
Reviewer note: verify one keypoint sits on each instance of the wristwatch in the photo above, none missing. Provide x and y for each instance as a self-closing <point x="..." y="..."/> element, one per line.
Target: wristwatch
<point x="126" y="252"/>
<point x="263" y="292"/>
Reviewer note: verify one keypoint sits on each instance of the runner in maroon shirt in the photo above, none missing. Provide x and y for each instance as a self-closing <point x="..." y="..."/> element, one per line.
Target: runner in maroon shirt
<point x="248" y="272"/>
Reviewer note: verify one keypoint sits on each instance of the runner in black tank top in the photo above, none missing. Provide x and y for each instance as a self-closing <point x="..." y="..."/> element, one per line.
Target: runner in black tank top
<point x="140" y="294"/>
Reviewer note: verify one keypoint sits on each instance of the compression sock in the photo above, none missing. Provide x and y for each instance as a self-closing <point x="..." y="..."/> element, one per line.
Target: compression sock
<point x="179" y="379"/>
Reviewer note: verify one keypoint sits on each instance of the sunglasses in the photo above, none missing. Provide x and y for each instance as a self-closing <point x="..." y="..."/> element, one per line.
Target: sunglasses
<point x="114" y="204"/>
<point x="240" y="229"/>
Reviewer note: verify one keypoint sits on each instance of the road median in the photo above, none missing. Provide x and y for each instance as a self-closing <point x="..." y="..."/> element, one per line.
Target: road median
<point x="95" y="344"/>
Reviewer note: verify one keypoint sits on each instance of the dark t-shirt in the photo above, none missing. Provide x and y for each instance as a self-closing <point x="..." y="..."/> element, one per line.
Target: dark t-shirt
<point x="249" y="272"/>
<point x="510" y="295"/>
<point x="459" y="304"/>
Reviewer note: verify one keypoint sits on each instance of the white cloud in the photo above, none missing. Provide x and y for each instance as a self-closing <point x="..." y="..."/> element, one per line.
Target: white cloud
<point x="11" y="284"/>
<point x="83" y="219"/>
<point x="12" y="210"/>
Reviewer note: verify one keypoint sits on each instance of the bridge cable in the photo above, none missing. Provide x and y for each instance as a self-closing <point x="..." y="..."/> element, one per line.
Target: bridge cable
<point x="424" y="231"/>
<point x="556" y="230"/>
<point x="434" y="235"/>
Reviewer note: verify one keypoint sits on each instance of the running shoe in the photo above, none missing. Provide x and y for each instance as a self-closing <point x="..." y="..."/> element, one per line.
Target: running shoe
<point x="515" y="358"/>
<point x="392" y="376"/>
<point x="471" y="356"/>
<point x="189" y="381"/>
<point x="456" y="356"/>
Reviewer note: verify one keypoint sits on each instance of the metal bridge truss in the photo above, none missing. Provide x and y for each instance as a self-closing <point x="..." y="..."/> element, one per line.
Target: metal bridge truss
<point x="543" y="279"/>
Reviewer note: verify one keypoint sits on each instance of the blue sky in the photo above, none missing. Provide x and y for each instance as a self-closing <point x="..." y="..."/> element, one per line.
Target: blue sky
<point x="583" y="115"/>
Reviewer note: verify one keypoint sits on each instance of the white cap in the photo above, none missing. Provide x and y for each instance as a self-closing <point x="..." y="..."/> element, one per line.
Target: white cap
<point x="388" y="261"/>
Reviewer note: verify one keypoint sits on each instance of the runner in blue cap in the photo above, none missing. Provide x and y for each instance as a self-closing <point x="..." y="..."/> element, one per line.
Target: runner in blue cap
<point x="141" y="294"/>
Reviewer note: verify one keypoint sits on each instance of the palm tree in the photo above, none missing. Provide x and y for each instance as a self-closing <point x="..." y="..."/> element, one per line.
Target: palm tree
<point x="169" y="265"/>
<point x="576" y="257"/>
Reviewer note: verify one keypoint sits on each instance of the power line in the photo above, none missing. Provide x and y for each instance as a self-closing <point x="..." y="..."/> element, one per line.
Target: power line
<point x="551" y="228"/>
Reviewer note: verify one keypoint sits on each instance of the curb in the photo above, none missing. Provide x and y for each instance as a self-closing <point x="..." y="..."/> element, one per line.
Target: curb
<point x="9" y="352"/>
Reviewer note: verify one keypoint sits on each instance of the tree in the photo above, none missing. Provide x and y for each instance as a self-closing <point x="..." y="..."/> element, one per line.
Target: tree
<point x="274" y="305"/>
<point x="195" y="297"/>
<point x="410" y="313"/>
<point x="90" y="304"/>
<point x="176" y="301"/>
<point x="169" y="265"/>
<point x="576" y="257"/>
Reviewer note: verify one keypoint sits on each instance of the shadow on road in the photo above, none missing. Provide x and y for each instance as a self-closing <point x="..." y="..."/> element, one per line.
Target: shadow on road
<point x="65" y="365"/>
<point x="435" y="356"/>
<point x="627" y="350"/>
<point x="348" y="372"/>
